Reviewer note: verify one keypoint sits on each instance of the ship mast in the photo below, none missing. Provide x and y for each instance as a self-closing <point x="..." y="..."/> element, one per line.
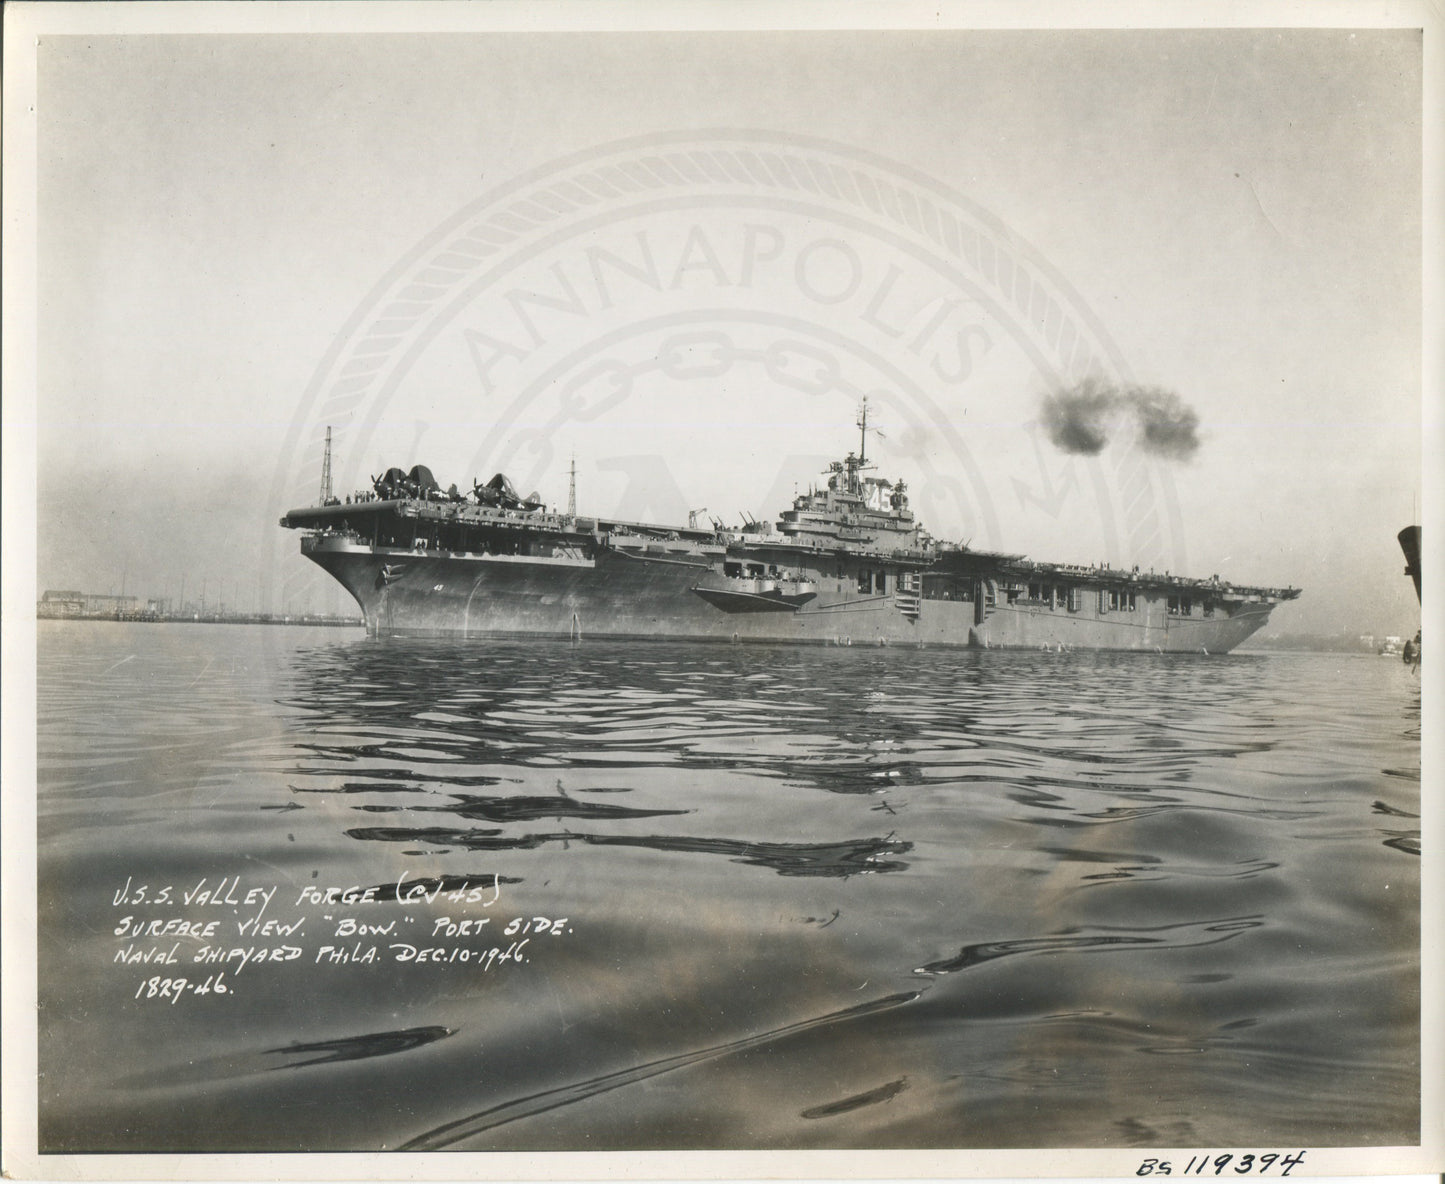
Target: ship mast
<point x="572" y="490"/>
<point x="326" y="469"/>
<point x="857" y="464"/>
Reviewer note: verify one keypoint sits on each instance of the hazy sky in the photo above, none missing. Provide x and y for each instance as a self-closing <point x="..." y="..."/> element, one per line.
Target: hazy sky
<point x="1237" y="213"/>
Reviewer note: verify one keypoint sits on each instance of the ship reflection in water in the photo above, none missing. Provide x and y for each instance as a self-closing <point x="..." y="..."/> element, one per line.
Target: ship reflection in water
<point x="778" y="898"/>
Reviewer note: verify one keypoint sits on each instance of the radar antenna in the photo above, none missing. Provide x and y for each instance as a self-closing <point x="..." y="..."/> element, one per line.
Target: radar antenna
<point x="326" y="469"/>
<point x="863" y="433"/>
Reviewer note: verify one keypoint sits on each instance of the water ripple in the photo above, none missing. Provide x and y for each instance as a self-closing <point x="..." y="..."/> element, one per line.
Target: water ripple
<point x="816" y="897"/>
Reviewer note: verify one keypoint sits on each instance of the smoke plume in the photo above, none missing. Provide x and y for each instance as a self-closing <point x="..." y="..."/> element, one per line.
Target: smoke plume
<point x="1080" y="420"/>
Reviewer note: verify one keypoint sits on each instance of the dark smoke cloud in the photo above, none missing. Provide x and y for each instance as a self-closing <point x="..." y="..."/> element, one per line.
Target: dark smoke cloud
<point x="1076" y="420"/>
<point x="1080" y="420"/>
<point x="1168" y="426"/>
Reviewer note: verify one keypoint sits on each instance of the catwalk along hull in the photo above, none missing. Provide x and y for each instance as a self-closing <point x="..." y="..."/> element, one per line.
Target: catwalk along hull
<point x="623" y="593"/>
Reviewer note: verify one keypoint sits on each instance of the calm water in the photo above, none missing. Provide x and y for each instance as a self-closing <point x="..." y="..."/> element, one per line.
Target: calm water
<point x="812" y="897"/>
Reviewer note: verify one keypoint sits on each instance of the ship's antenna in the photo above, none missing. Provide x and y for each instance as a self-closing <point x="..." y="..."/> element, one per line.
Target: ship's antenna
<point x="862" y="427"/>
<point x="572" y="490"/>
<point x="326" y="469"/>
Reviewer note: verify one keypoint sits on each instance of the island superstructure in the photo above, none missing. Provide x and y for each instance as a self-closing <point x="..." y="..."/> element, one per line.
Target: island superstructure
<point x="847" y="564"/>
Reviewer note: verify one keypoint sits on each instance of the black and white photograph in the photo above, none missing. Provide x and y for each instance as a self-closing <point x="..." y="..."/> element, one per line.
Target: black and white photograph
<point x="651" y="580"/>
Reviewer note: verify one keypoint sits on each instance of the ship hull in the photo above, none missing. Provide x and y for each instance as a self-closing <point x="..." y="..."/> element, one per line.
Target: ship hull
<point x="615" y="594"/>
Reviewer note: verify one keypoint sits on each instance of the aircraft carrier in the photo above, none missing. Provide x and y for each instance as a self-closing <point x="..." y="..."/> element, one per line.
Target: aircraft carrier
<point x="847" y="564"/>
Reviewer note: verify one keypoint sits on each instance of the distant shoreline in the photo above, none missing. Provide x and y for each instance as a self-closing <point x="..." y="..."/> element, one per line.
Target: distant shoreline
<point x="1287" y="643"/>
<point x="211" y="619"/>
